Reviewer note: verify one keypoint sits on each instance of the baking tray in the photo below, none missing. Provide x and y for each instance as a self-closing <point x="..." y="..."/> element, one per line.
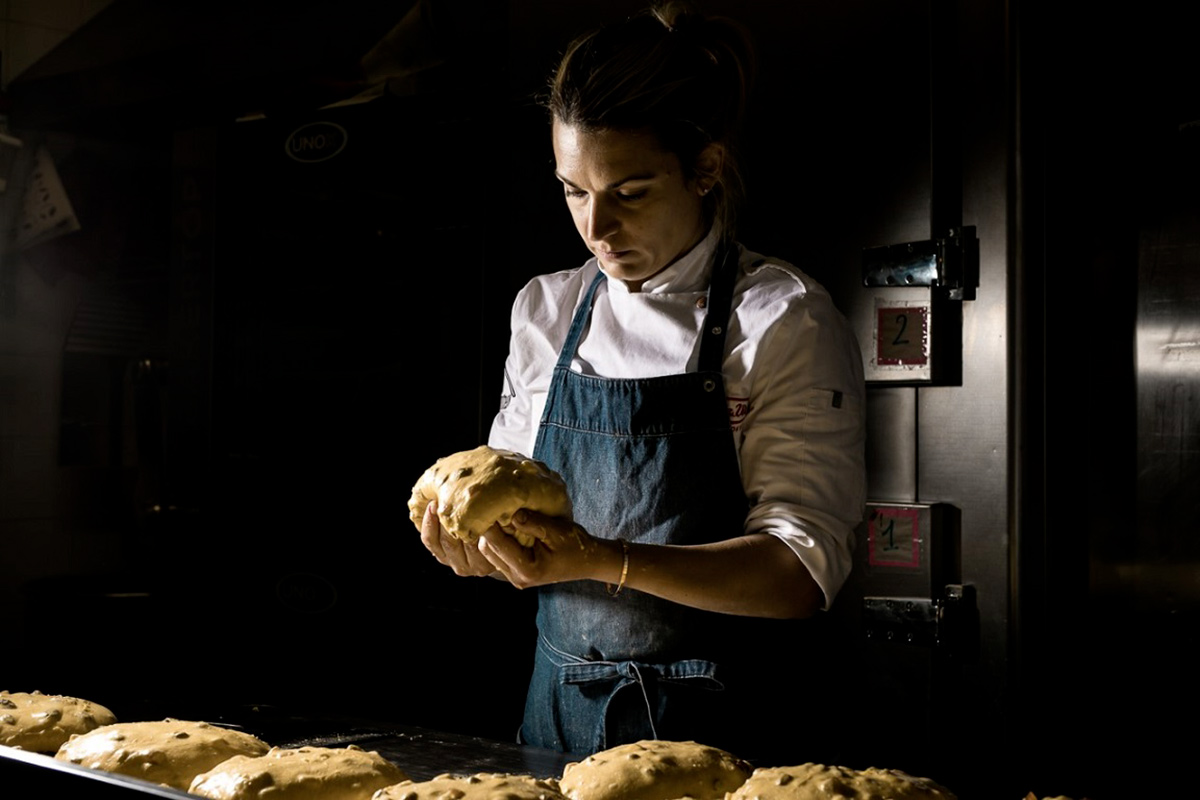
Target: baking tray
<point x="420" y="752"/>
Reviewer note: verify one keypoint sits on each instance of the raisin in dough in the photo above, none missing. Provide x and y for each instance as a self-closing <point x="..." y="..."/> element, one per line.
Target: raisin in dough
<point x="303" y="773"/>
<point x="478" y="488"/>
<point x="171" y="752"/>
<point x="655" y="770"/>
<point x="41" y="723"/>
<point x="485" y="786"/>
<point x="820" y="782"/>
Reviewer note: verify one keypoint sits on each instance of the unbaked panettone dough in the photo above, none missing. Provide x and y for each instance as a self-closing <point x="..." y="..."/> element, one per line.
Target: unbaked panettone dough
<point x="655" y="770"/>
<point x="476" y="489"/>
<point x="820" y="782"/>
<point x="171" y="752"/>
<point x="485" y="786"/>
<point x="41" y="723"/>
<point x="303" y="773"/>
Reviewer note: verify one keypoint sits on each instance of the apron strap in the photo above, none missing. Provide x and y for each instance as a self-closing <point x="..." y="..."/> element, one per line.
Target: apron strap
<point x="720" y="301"/>
<point x="578" y="323"/>
<point x="622" y="674"/>
<point x="716" y="321"/>
<point x="701" y="671"/>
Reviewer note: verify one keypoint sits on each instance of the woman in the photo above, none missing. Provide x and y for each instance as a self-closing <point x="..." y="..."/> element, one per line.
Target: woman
<point x="703" y="403"/>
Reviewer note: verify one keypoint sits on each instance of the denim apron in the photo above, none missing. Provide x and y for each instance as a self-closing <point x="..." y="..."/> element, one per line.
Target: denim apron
<point x="648" y="460"/>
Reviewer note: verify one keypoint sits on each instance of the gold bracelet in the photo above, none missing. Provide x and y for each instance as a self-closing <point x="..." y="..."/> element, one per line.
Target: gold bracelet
<point x="624" y="570"/>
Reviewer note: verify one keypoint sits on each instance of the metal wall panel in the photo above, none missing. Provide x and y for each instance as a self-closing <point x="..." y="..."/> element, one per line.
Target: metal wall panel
<point x="957" y="436"/>
<point x="964" y="431"/>
<point x="892" y="444"/>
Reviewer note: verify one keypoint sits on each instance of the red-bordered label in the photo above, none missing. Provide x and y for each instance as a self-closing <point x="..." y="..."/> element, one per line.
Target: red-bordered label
<point x="902" y="336"/>
<point x="894" y="538"/>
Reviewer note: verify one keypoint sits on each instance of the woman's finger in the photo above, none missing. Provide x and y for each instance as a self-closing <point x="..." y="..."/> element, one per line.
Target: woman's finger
<point x="475" y="563"/>
<point x="448" y="550"/>
<point x="518" y="564"/>
<point x="431" y="532"/>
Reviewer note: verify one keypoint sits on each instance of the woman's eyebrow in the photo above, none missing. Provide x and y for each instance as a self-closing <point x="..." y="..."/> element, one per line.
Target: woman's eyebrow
<point x="640" y="176"/>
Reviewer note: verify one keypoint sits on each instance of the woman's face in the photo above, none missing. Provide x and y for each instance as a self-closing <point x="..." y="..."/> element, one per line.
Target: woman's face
<point x="630" y="201"/>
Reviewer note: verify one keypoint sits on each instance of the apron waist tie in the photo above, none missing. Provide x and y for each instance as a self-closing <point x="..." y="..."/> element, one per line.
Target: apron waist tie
<point x="696" y="672"/>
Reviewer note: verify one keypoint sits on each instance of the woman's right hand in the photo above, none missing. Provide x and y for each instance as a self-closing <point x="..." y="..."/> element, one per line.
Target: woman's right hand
<point x="465" y="559"/>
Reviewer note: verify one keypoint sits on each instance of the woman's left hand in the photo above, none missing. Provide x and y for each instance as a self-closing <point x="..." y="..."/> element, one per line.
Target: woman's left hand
<point x="563" y="551"/>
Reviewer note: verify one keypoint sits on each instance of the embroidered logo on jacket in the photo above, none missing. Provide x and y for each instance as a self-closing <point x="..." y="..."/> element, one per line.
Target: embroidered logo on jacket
<point x="739" y="407"/>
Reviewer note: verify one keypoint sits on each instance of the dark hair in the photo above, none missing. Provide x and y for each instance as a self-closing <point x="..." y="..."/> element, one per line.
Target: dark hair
<point x="682" y="75"/>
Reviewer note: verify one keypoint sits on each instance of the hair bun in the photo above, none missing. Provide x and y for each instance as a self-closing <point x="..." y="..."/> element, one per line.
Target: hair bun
<point x="677" y="17"/>
<point x="669" y="69"/>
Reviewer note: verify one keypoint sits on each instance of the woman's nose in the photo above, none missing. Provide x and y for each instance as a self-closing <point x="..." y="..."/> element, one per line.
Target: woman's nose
<point x="601" y="219"/>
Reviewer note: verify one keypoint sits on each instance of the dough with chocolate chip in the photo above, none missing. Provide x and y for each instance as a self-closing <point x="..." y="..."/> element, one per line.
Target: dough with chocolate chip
<point x="303" y="773"/>
<point x="821" y="782"/>
<point x="655" y="770"/>
<point x="171" y="752"/>
<point x="476" y="489"/>
<point x="41" y="723"/>
<point x="485" y="786"/>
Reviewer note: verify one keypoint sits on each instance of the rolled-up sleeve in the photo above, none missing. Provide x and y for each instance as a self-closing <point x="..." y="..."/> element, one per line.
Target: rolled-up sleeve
<point x="801" y="447"/>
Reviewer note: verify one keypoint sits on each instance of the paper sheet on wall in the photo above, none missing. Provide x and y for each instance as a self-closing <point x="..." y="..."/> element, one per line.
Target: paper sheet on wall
<point x="46" y="212"/>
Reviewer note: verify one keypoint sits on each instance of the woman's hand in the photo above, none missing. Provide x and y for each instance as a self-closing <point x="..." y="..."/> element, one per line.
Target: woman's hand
<point x="465" y="559"/>
<point x="563" y="551"/>
<point x="755" y="575"/>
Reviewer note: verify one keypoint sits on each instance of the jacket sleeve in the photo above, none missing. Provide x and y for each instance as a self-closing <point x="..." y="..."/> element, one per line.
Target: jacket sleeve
<point x="802" y="441"/>
<point x="541" y="315"/>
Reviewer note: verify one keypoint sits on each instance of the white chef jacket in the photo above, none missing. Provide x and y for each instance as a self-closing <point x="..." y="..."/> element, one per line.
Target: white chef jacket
<point x="793" y="382"/>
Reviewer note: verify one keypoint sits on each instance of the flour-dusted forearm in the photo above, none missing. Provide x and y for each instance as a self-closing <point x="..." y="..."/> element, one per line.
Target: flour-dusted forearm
<point x="755" y="575"/>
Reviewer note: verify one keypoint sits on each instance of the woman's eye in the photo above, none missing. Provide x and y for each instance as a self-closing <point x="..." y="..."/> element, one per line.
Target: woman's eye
<point x="632" y="195"/>
<point x="569" y="192"/>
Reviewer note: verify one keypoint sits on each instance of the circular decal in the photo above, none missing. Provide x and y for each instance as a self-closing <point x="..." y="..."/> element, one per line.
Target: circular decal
<point x="305" y="593"/>
<point x="316" y="141"/>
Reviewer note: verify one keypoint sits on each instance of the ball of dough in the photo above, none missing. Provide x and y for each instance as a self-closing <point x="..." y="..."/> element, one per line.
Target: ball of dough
<point x="171" y="752"/>
<point x="476" y="489"/>
<point x="41" y="723"/>
<point x="485" y="786"/>
<point x="303" y="773"/>
<point x="820" y="782"/>
<point x="655" y="770"/>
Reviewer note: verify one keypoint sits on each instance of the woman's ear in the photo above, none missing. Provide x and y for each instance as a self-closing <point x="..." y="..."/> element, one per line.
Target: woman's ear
<point x="708" y="167"/>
